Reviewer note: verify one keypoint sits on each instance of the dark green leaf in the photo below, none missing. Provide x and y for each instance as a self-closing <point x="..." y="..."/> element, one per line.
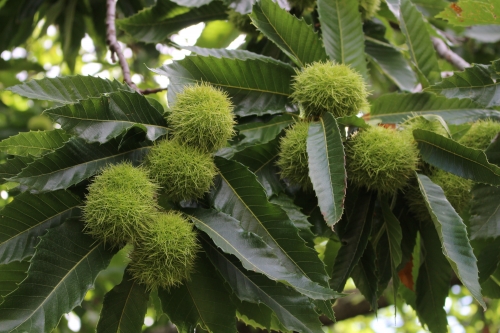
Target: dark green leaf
<point x="453" y="236"/>
<point x="263" y="132"/>
<point x="63" y="269"/>
<point x="76" y="161"/>
<point x="17" y="22"/>
<point x="107" y="117"/>
<point x="474" y="83"/>
<point x="327" y="167"/>
<point x="13" y="166"/>
<point x="124" y="307"/>
<point x="34" y="143"/>
<point x="155" y="24"/>
<point x="293" y="36"/>
<point x="11" y="275"/>
<point x="28" y="217"/>
<point x="343" y="33"/>
<point x="256" y="87"/>
<point x="453" y="157"/>
<point x="238" y="194"/>
<point x="395" y="108"/>
<point x="419" y="41"/>
<point x="258" y="316"/>
<point x="365" y="277"/>
<point x="202" y="300"/>
<point x="430" y="7"/>
<point x="488" y="258"/>
<point x="392" y="63"/>
<point x="68" y="89"/>
<point x="294" y="311"/>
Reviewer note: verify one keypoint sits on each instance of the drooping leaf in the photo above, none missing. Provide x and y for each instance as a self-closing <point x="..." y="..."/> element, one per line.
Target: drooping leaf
<point x="392" y="63"/>
<point x="327" y="167"/>
<point x="395" y="108"/>
<point x="11" y="275"/>
<point x="343" y="33"/>
<point x="68" y="89"/>
<point x="202" y="300"/>
<point x="76" y="161"/>
<point x="237" y="193"/>
<point x="124" y="307"/>
<point x="419" y="41"/>
<point x="433" y="281"/>
<point x="453" y="157"/>
<point x="294" y="311"/>
<point x="13" y="166"/>
<point x="471" y="12"/>
<point x="28" y="217"/>
<point x="155" y="24"/>
<point x="107" y="117"/>
<point x="293" y="36"/>
<point x="63" y="269"/>
<point x="256" y="87"/>
<point x="34" y="143"/>
<point x="474" y="83"/>
<point x="453" y="236"/>
<point x="365" y="277"/>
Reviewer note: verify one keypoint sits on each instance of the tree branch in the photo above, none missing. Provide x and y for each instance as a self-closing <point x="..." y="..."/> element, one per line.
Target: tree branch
<point x="444" y="52"/>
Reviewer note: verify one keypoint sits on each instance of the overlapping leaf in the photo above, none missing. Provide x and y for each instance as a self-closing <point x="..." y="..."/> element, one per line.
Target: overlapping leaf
<point x="62" y="270"/>
<point x="293" y="36"/>
<point x="11" y="275"/>
<point x="453" y="236"/>
<point x="364" y="275"/>
<point x="104" y="118"/>
<point x="343" y="33"/>
<point x="419" y="41"/>
<point x="34" y="143"/>
<point x="256" y="87"/>
<point x="239" y="194"/>
<point x="68" y="89"/>
<point x="124" y="307"/>
<point x="474" y="83"/>
<point x="155" y="24"/>
<point x="13" y="166"/>
<point x="453" y="157"/>
<point x="76" y="161"/>
<point x="395" y="108"/>
<point x="327" y="167"/>
<point x="28" y="217"/>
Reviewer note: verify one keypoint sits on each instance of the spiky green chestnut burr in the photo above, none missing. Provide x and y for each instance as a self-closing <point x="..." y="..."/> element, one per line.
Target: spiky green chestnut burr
<point x="456" y="189"/>
<point x="481" y="133"/>
<point x="202" y="117"/>
<point x="164" y="255"/>
<point x="183" y="171"/>
<point x="118" y="203"/>
<point x="292" y="158"/>
<point x="380" y="158"/>
<point x="329" y="87"/>
<point x="241" y="22"/>
<point x="368" y="8"/>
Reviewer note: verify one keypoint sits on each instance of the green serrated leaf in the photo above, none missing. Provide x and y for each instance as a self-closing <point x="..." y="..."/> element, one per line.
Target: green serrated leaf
<point x="343" y="32"/>
<point x="124" y="307"/>
<point x="453" y="236"/>
<point x="107" y="117"/>
<point x="201" y="300"/>
<point x="474" y="83"/>
<point x="327" y="167"/>
<point x="364" y="275"/>
<point x="256" y="87"/>
<point x="68" y="89"/>
<point x="396" y="108"/>
<point x="76" y="161"/>
<point x="353" y="121"/>
<point x="34" y="143"/>
<point x="55" y="283"/>
<point x="13" y="166"/>
<point x="156" y="23"/>
<point x="258" y="316"/>
<point x="419" y="41"/>
<point x="472" y="12"/>
<point x="11" y="275"/>
<point x="237" y="193"/>
<point x="293" y="36"/>
<point x="28" y="217"/>
<point x="455" y="158"/>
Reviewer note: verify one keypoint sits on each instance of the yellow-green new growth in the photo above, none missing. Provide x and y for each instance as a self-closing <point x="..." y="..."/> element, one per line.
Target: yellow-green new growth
<point x="183" y="171"/>
<point x="164" y="255"/>
<point x="292" y="158"/>
<point x="481" y="133"/>
<point x="329" y="87"/>
<point x="368" y="8"/>
<point x="202" y="117"/>
<point x="456" y="189"/>
<point x="381" y="159"/>
<point x="119" y="203"/>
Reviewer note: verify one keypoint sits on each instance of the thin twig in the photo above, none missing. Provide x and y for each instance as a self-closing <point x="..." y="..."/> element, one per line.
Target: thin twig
<point x="444" y="52"/>
<point x="152" y="91"/>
